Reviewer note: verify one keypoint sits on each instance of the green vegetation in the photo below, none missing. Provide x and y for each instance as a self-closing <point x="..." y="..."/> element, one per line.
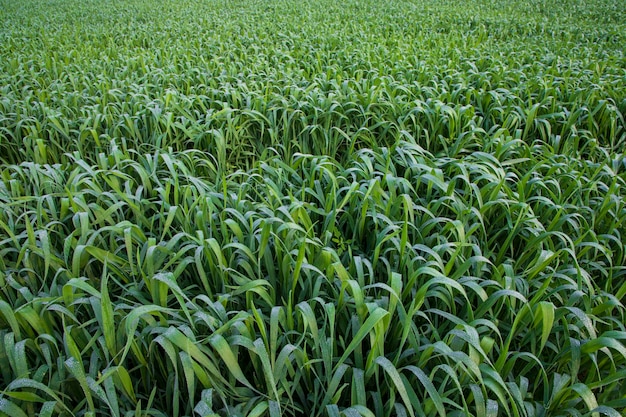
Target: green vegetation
<point x="312" y="208"/>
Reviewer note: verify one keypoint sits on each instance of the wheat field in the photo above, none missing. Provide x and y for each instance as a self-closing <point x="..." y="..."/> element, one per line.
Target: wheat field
<point x="312" y="208"/>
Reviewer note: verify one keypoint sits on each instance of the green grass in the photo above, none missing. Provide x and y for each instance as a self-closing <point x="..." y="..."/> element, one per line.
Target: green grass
<point x="312" y="208"/>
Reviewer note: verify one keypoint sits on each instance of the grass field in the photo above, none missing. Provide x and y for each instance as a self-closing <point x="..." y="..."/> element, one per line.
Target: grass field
<point x="312" y="208"/>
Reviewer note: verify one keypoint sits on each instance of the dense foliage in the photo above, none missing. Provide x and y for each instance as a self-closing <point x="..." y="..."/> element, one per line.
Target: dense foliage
<point x="312" y="208"/>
